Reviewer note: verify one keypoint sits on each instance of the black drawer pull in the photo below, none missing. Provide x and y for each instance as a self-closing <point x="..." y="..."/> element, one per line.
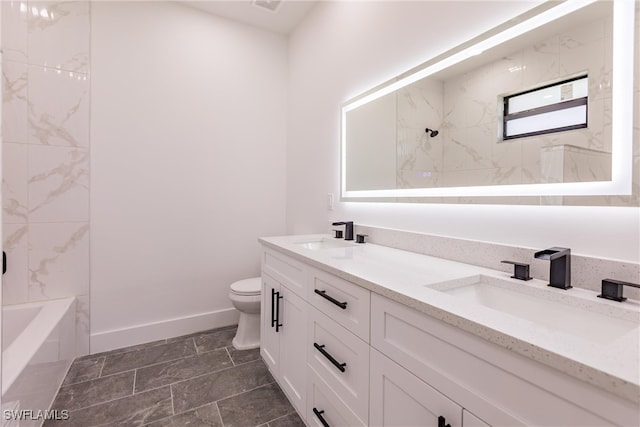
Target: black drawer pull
<point x="323" y="294"/>
<point x="442" y="422"/>
<point x="320" y="417"/>
<point x="320" y="348"/>
<point x="273" y="307"/>
<point x="278" y="324"/>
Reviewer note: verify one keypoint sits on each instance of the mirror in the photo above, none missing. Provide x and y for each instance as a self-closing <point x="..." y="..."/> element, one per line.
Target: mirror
<point x="449" y="128"/>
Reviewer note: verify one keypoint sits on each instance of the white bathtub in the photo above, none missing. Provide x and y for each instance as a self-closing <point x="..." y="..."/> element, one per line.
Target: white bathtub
<point x="38" y="345"/>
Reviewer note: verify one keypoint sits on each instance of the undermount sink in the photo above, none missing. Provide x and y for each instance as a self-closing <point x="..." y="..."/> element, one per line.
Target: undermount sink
<point x="325" y="243"/>
<point x="589" y="320"/>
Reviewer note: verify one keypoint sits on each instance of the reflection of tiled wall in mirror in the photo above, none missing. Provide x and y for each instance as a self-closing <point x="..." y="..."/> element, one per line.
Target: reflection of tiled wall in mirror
<point x="466" y="109"/>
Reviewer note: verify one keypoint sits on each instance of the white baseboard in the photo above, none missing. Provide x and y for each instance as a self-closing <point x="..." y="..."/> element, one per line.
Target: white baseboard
<point x="139" y="334"/>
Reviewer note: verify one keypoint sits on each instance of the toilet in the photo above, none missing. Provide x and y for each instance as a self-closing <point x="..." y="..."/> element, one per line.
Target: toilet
<point x="245" y="297"/>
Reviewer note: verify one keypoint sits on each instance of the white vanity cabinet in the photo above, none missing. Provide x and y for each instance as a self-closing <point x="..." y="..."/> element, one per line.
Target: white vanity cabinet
<point x="283" y="326"/>
<point x="347" y="356"/>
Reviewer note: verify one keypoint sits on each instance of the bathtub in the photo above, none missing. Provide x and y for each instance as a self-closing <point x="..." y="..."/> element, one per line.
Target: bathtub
<point x="38" y="345"/>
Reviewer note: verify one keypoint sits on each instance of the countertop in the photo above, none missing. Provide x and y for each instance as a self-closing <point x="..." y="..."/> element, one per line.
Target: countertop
<point x="412" y="279"/>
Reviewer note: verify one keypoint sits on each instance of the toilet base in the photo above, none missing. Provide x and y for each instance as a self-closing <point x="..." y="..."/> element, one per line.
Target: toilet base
<point x="248" y="333"/>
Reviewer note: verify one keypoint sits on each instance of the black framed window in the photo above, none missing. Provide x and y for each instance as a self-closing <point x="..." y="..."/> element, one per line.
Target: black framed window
<point x="555" y="107"/>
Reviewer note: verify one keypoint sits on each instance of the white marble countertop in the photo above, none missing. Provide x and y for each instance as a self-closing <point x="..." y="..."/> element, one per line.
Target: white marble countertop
<point x="412" y="279"/>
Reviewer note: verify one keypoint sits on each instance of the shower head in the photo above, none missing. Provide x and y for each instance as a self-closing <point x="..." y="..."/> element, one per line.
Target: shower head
<point x="432" y="132"/>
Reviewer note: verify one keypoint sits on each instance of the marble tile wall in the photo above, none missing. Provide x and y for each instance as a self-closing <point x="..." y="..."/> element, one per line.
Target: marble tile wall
<point x="45" y="182"/>
<point x="419" y="156"/>
<point x="466" y="110"/>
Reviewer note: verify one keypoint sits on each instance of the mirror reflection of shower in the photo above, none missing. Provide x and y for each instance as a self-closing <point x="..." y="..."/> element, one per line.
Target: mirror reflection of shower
<point x="432" y="132"/>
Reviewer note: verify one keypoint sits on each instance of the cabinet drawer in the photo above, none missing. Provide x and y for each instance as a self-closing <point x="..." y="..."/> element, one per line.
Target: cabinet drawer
<point x="323" y="402"/>
<point x="342" y="301"/>
<point x="341" y="359"/>
<point x="286" y="270"/>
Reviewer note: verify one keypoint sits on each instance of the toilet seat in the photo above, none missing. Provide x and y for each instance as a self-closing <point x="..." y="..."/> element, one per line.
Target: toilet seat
<point x="247" y="287"/>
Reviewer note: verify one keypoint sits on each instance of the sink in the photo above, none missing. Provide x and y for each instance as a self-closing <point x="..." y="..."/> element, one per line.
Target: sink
<point x="555" y="310"/>
<point x="322" y="243"/>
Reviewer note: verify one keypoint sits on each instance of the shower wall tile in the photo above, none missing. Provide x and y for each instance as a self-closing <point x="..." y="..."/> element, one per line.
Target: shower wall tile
<point x="541" y="62"/>
<point x="484" y="176"/>
<point x="14" y="101"/>
<point x="420" y="105"/>
<point x="14" y="30"/>
<point x="416" y="150"/>
<point x="58" y="35"/>
<point x="58" y="260"/>
<point x="453" y="102"/>
<point x="583" y="48"/>
<point x="508" y="72"/>
<point x="14" y="183"/>
<point x="58" y="184"/>
<point x="83" y="330"/>
<point x="45" y="186"/>
<point x="506" y="155"/>
<point x="58" y="107"/>
<point x="14" y="282"/>
<point x="408" y="178"/>
<point x="552" y="161"/>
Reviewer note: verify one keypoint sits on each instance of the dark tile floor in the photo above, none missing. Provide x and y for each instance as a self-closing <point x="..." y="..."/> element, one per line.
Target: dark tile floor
<point x="194" y="380"/>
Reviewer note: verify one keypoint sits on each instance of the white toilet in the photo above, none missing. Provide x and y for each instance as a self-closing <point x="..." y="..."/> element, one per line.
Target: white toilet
<point x="245" y="297"/>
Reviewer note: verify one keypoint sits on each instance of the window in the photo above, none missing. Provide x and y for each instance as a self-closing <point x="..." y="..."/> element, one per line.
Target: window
<point x="551" y="108"/>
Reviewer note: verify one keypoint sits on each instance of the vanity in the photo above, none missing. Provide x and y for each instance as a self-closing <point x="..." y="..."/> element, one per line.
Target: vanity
<point x="364" y="334"/>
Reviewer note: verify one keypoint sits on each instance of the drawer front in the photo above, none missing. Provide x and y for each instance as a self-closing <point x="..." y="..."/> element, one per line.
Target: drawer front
<point x="480" y="375"/>
<point x="341" y="359"/>
<point x="342" y="301"/>
<point x="323" y="403"/>
<point x="286" y="270"/>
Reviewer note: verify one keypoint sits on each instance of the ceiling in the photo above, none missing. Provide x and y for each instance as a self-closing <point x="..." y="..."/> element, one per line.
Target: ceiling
<point x="287" y="15"/>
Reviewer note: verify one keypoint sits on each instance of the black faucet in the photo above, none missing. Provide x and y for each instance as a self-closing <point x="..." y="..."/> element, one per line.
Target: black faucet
<point x="560" y="272"/>
<point x="348" y="229"/>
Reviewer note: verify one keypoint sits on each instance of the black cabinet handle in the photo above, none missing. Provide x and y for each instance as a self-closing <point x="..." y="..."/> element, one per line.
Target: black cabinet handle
<point x="320" y="348"/>
<point x="273" y="307"/>
<point x="323" y="294"/>
<point x="320" y="417"/>
<point x="442" y="422"/>
<point x="4" y="262"/>
<point x="278" y="324"/>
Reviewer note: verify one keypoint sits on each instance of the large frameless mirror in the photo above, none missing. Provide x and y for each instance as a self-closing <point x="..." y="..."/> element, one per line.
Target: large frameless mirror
<point x="538" y="110"/>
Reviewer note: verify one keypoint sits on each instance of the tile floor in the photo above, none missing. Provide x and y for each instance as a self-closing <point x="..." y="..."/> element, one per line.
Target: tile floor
<point x="194" y="380"/>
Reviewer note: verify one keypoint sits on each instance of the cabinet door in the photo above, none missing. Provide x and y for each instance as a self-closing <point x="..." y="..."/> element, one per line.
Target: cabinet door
<point x="269" y="338"/>
<point x="399" y="398"/>
<point x="293" y="358"/>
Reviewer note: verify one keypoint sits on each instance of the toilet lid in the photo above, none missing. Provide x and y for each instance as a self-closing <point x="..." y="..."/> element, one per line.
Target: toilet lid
<point x="247" y="286"/>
